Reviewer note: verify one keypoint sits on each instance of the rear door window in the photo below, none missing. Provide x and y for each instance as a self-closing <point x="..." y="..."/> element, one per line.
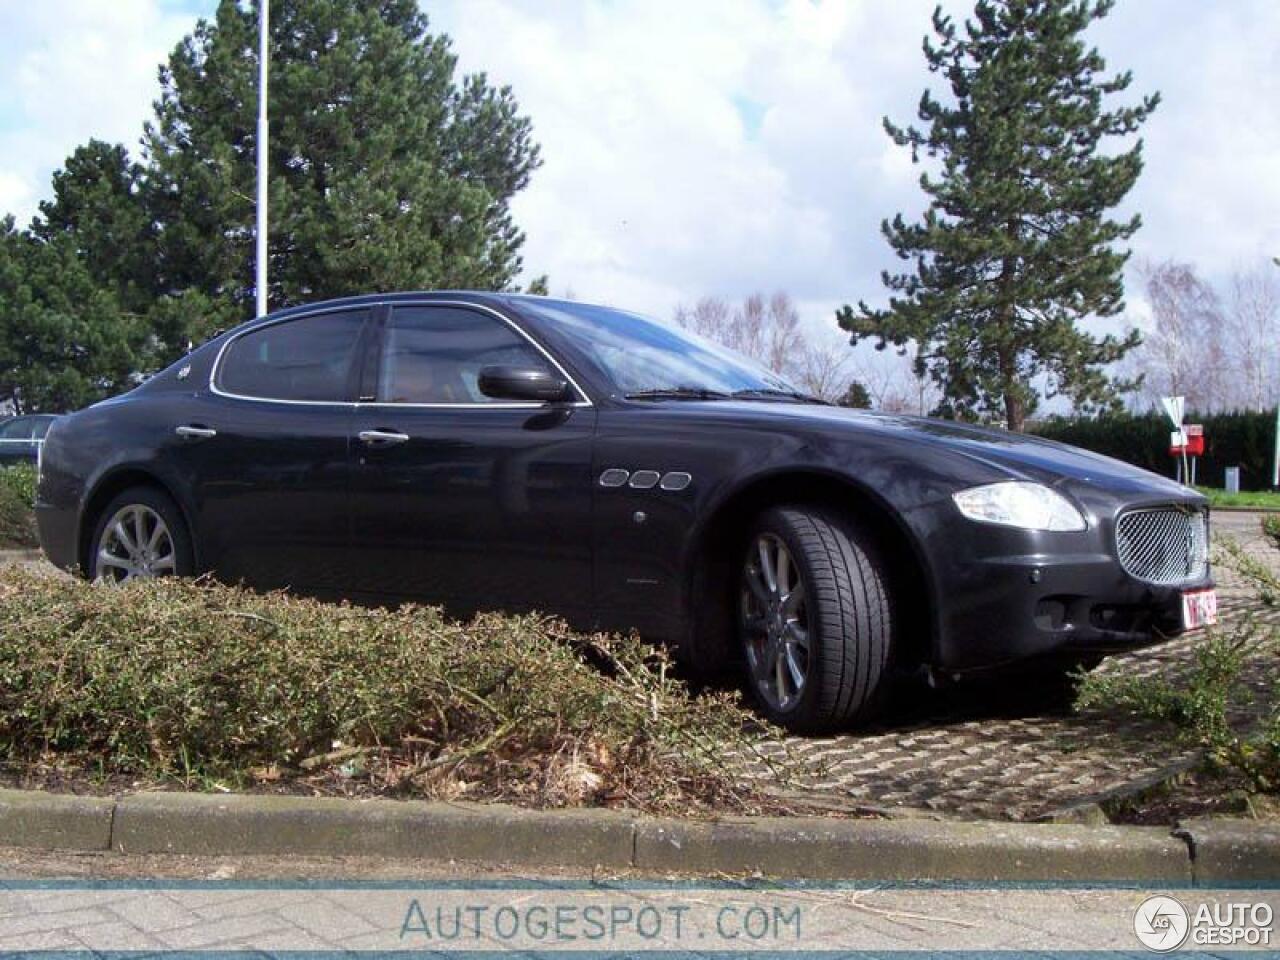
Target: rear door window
<point x="307" y="359"/>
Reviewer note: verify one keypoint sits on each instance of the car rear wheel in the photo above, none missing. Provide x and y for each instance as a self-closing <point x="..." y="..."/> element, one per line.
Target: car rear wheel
<point x="140" y="534"/>
<point x="814" y="619"/>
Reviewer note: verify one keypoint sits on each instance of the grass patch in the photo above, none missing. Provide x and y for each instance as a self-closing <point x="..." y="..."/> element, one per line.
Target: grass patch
<point x="205" y="685"/>
<point x="1226" y="704"/>
<point x="17" y="506"/>
<point x="1271" y="527"/>
<point x="1250" y="499"/>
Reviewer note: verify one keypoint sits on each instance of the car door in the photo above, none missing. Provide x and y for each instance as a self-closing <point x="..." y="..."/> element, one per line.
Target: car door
<point x="264" y="450"/>
<point x="461" y="499"/>
<point x="17" y="440"/>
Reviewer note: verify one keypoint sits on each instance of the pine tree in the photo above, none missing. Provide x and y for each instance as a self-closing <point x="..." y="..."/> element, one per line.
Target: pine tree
<point x="64" y="339"/>
<point x="386" y="170"/>
<point x="1015" y="247"/>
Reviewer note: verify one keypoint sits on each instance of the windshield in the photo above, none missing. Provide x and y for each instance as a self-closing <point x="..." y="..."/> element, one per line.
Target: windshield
<point x="642" y="355"/>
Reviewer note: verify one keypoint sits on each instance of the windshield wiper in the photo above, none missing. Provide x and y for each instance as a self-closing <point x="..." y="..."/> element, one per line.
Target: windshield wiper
<point x="679" y="393"/>
<point x="768" y="393"/>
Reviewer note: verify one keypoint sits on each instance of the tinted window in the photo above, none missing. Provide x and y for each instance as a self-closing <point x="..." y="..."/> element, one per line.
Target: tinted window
<point x="304" y="359"/>
<point x="639" y="353"/>
<point x="42" y="427"/>
<point x="435" y="354"/>
<point x="19" y="429"/>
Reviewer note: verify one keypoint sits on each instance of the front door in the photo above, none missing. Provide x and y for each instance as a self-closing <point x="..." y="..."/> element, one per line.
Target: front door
<point x="460" y="499"/>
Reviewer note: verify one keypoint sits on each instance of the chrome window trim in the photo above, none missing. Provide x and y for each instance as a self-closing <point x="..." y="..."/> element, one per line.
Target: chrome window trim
<point x="216" y="368"/>
<point x="393" y="304"/>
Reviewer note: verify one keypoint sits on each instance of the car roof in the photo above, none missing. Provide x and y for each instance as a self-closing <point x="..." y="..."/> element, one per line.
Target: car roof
<point x="480" y="297"/>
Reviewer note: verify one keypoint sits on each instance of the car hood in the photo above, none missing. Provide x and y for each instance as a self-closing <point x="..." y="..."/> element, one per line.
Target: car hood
<point x="1020" y="456"/>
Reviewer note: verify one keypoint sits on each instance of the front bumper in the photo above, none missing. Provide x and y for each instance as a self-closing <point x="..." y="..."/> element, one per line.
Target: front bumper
<point x="1004" y="595"/>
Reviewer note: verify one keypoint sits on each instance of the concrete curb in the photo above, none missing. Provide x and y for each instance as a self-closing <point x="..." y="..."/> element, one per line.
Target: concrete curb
<point x="1233" y="851"/>
<point x="51" y="821"/>
<point x="817" y="848"/>
<point x="910" y="850"/>
<point x="212" y="824"/>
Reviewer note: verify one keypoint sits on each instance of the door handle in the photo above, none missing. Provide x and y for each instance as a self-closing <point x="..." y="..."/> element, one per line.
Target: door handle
<point x="196" y="433"/>
<point x="382" y="438"/>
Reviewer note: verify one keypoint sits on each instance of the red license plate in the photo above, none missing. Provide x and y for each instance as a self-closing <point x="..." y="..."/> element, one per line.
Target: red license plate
<point x="1199" y="609"/>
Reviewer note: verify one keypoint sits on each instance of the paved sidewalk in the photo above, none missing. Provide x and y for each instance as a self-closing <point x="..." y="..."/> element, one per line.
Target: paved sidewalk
<point x="999" y="754"/>
<point x="225" y="910"/>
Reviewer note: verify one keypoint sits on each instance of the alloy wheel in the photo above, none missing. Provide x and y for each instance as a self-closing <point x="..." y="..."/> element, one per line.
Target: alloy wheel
<point x="775" y="622"/>
<point x="135" y="543"/>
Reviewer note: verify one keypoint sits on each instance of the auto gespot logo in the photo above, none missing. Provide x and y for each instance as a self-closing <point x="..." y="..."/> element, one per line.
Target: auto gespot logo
<point x="1163" y="924"/>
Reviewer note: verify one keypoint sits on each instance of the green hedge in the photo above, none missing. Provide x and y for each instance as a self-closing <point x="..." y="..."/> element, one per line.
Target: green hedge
<point x="17" y="504"/>
<point x="1246" y="440"/>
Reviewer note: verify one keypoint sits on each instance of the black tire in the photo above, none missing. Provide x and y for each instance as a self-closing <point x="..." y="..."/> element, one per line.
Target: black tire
<point x="847" y="614"/>
<point x="163" y="506"/>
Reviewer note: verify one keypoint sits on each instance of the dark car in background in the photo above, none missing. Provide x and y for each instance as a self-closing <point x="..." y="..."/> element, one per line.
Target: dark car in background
<point x="22" y="437"/>
<point x="521" y="453"/>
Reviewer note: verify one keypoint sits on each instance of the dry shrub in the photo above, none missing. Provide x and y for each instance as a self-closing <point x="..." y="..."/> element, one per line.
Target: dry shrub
<point x="193" y="681"/>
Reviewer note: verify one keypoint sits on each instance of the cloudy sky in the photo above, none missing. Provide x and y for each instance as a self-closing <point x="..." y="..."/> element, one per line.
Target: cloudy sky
<point x="718" y="146"/>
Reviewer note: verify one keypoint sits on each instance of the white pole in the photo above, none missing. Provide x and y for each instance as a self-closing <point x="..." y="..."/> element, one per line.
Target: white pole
<point x="264" y="19"/>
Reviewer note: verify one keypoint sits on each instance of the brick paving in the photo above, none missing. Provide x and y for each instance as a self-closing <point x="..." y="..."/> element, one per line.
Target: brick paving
<point x="988" y="753"/>
<point x="155" y="916"/>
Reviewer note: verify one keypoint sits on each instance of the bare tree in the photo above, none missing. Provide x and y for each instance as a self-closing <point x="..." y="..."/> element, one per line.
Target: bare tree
<point x="824" y="372"/>
<point x="1253" y="335"/>
<point x="768" y="331"/>
<point x="894" y="385"/>
<point x="710" y="317"/>
<point x="1183" y="355"/>
<point x="783" y="343"/>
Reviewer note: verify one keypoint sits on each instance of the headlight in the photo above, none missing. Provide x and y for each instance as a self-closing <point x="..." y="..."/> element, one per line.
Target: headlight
<point x="1019" y="504"/>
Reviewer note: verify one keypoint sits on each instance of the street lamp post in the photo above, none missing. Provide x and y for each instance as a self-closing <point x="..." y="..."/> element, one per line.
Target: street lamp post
<point x="264" y="19"/>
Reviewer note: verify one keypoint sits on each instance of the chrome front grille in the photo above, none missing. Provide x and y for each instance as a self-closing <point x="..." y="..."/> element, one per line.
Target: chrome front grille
<point x="1164" y="544"/>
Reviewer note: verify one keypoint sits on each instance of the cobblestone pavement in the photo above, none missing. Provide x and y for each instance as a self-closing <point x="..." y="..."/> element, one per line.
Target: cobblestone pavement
<point x="994" y="752"/>
<point x="215" y="906"/>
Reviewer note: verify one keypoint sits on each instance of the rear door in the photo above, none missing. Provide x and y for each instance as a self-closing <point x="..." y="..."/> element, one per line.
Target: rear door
<point x="265" y="451"/>
<point x="460" y="499"/>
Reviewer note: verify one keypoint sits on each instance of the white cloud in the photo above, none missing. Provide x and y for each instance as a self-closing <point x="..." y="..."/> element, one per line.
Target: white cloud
<point x="716" y="147"/>
<point x="71" y="70"/>
<point x="719" y="146"/>
<point x="660" y="186"/>
<point x="1210" y="192"/>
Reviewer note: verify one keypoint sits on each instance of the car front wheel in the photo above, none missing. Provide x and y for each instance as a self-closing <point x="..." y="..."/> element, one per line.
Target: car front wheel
<point x="140" y="534"/>
<point x="814" y="618"/>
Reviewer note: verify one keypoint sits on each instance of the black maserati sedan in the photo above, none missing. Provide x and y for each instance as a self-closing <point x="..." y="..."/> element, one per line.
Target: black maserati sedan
<point x="493" y="451"/>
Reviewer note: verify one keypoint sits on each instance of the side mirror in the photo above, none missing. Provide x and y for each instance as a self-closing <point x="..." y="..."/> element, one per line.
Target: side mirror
<point x="523" y="383"/>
